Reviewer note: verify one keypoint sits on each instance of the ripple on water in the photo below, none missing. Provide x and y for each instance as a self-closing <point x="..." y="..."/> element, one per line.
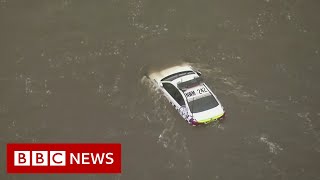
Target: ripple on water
<point x="306" y="116"/>
<point x="258" y="26"/>
<point x="3" y="3"/>
<point x="168" y="135"/>
<point x="273" y="147"/>
<point x="4" y="109"/>
<point x="235" y="88"/>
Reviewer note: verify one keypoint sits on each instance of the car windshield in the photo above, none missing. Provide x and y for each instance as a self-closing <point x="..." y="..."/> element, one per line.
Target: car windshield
<point x="177" y="75"/>
<point x="191" y="83"/>
<point x="203" y="104"/>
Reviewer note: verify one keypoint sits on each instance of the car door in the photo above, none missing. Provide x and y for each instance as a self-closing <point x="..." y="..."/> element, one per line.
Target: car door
<point x="174" y="95"/>
<point x="176" y="99"/>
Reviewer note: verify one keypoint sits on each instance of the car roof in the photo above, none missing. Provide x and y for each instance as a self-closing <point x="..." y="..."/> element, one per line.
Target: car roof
<point x="197" y="92"/>
<point x="194" y="92"/>
<point x="184" y="78"/>
<point x="193" y="89"/>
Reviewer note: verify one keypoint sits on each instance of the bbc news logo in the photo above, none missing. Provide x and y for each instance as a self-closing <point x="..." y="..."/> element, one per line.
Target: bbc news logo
<point x="40" y="158"/>
<point x="64" y="158"/>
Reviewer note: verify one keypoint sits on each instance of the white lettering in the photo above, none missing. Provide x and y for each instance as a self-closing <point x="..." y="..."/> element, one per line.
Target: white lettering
<point x="85" y="156"/>
<point x="76" y="159"/>
<point x="109" y="158"/>
<point x="91" y="158"/>
<point x="96" y="158"/>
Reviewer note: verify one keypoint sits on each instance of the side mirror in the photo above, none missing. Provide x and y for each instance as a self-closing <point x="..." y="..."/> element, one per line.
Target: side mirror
<point x="160" y="84"/>
<point x="199" y="73"/>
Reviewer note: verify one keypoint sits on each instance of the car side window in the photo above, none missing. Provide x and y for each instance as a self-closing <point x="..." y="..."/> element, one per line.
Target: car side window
<point x="174" y="92"/>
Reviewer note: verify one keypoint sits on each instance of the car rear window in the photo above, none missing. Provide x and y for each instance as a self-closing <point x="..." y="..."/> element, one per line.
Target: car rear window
<point x="177" y="75"/>
<point x="203" y="104"/>
<point x="191" y="83"/>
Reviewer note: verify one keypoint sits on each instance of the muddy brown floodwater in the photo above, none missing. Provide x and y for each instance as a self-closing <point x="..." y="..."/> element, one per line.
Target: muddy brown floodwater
<point x="72" y="71"/>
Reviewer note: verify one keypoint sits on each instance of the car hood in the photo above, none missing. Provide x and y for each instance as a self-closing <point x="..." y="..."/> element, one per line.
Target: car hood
<point x="207" y="115"/>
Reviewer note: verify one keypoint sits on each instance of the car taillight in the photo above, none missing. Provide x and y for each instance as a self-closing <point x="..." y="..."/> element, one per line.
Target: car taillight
<point x="194" y="122"/>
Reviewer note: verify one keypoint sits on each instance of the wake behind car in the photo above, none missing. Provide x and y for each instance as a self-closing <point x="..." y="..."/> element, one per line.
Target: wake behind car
<point x="192" y="98"/>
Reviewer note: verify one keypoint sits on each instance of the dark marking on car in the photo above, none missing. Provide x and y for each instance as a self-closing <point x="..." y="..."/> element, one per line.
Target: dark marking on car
<point x="189" y="94"/>
<point x="202" y="90"/>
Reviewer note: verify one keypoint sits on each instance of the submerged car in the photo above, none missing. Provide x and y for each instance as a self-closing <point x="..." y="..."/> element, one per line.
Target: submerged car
<point x="192" y="98"/>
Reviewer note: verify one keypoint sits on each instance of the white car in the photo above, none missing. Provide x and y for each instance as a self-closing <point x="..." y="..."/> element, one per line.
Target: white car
<point x="191" y="97"/>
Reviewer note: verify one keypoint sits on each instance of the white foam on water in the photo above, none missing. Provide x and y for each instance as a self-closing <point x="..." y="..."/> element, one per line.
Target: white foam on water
<point x="113" y="48"/>
<point x="258" y="26"/>
<point x="171" y="11"/>
<point x="265" y="18"/>
<point x="217" y="124"/>
<point x="115" y="86"/>
<point x="150" y="85"/>
<point x="146" y="31"/>
<point x="273" y="147"/>
<point x="292" y="19"/>
<point x="232" y="86"/>
<point x="136" y="10"/>
<point x="160" y="112"/>
<point x="109" y="91"/>
<point x="235" y="88"/>
<point x="101" y="89"/>
<point x="28" y="89"/>
<point x="16" y="133"/>
<point x="311" y="129"/>
<point x="169" y="136"/>
<point x="229" y="25"/>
